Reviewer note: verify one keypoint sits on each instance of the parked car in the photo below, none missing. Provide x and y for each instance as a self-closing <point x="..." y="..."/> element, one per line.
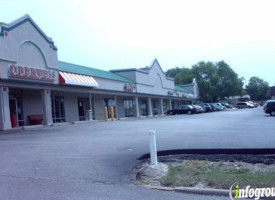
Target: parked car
<point x="270" y="107"/>
<point x="199" y="109"/>
<point x="214" y="107"/>
<point x="251" y="104"/>
<point x="220" y="106"/>
<point x="207" y="107"/>
<point x="266" y="103"/>
<point x="255" y="105"/>
<point x="182" y="109"/>
<point x="241" y="105"/>
<point x="227" y="106"/>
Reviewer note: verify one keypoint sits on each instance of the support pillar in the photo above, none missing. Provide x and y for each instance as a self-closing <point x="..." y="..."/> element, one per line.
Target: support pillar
<point x="91" y="108"/>
<point x="47" y="107"/>
<point x="137" y="107"/>
<point x="170" y="104"/>
<point x="161" y="107"/>
<point x="116" y="110"/>
<point x="5" y="121"/>
<point x="150" y="111"/>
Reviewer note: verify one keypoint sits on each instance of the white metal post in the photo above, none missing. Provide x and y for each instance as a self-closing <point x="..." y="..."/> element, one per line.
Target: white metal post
<point x="153" y="148"/>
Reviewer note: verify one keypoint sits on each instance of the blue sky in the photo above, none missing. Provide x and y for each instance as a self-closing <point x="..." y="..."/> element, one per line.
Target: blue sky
<point x="131" y="34"/>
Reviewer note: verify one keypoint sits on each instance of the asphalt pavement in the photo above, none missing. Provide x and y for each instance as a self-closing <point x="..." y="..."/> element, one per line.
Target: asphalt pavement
<point x="95" y="160"/>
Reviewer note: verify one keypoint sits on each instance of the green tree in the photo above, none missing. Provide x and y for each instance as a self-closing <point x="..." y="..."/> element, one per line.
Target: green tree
<point x="257" y="88"/>
<point x="173" y="72"/>
<point x="228" y="82"/>
<point x="206" y="76"/>
<point x="215" y="80"/>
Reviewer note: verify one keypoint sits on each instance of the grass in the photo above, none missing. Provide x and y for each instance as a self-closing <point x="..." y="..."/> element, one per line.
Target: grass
<point x="218" y="175"/>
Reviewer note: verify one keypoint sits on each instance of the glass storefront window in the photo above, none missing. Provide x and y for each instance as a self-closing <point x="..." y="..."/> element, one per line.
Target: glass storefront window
<point x="155" y="107"/>
<point x="129" y="107"/>
<point x="143" y="108"/>
<point x="58" y="109"/>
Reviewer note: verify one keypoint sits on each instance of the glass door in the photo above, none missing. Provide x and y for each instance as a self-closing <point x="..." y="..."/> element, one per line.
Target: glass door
<point x="16" y="111"/>
<point x="129" y="107"/>
<point x="58" y="109"/>
<point x="143" y="107"/>
<point x="81" y="109"/>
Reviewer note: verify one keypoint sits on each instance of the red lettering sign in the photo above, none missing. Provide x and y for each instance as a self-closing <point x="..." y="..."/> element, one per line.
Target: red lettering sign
<point x="129" y="87"/>
<point x="31" y="73"/>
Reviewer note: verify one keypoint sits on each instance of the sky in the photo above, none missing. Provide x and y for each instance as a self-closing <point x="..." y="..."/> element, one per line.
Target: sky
<point x="119" y="34"/>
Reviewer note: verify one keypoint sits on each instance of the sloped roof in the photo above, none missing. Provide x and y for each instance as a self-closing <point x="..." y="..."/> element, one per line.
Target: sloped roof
<point x="26" y="18"/>
<point x="181" y="89"/>
<point x="145" y="70"/>
<point x="79" y="69"/>
<point x="189" y="88"/>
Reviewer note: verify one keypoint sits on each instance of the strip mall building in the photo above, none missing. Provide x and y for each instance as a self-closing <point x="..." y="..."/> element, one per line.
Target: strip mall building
<point x="34" y="83"/>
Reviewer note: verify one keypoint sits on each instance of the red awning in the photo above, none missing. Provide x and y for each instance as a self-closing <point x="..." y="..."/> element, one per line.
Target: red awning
<point x="77" y="79"/>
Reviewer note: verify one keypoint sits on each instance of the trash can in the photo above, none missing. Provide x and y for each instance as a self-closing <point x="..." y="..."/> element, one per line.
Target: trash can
<point x="89" y="114"/>
<point x="13" y="121"/>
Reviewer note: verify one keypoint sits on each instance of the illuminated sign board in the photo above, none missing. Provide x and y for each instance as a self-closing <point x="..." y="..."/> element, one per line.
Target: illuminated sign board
<point x="17" y="71"/>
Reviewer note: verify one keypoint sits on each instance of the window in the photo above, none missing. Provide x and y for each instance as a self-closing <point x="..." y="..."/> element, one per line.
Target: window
<point x="58" y="109"/>
<point x="129" y="107"/>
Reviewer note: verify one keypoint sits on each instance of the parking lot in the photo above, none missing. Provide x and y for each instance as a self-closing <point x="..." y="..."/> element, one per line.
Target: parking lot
<point x="94" y="160"/>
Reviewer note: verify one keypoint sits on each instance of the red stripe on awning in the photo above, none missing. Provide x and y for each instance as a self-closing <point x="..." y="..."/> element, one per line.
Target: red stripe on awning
<point x="77" y="79"/>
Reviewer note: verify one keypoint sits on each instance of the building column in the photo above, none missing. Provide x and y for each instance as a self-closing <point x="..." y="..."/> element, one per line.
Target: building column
<point x="5" y="121"/>
<point x="170" y="104"/>
<point x="91" y="111"/>
<point x="47" y="107"/>
<point x="161" y="107"/>
<point x="137" y="107"/>
<point x="116" y="110"/>
<point x="150" y="111"/>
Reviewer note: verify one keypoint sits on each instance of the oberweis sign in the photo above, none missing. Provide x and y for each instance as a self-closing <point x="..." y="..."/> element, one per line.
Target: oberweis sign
<point x="17" y="71"/>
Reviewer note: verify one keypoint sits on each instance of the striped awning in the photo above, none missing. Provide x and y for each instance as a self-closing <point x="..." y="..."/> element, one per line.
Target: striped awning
<point x="77" y="79"/>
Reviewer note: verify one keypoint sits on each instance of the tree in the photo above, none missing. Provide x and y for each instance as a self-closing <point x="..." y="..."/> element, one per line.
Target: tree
<point x="206" y="76"/>
<point x="173" y="72"/>
<point x="257" y="88"/>
<point x="215" y="80"/>
<point x="229" y="84"/>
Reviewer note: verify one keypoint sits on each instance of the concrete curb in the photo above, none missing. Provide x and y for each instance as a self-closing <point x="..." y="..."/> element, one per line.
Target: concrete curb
<point x="32" y="126"/>
<point x="206" y="191"/>
<point x="85" y="122"/>
<point x="191" y="190"/>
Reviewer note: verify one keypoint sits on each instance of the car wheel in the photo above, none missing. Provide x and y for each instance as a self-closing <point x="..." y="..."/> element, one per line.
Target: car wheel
<point x="272" y="113"/>
<point x="189" y="112"/>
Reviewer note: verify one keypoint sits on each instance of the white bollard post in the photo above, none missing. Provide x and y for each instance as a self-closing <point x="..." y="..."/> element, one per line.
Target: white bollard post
<point x="153" y="148"/>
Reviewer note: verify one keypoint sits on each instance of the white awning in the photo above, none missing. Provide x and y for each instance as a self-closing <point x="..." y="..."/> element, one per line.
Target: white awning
<point x="77" y="79"/>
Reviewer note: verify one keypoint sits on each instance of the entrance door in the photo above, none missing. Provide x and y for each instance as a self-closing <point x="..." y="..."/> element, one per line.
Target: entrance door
<point x="58" y="109"/>
<point x="13" y="112"/>
<point x="81" y="109"/>
<point x="128" y="107"/>
<point x="143" y="107"/>
<point x="16" y="111"/>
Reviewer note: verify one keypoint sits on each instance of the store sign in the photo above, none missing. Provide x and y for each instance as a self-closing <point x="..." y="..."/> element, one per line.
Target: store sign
<point x="170" y="92"/>
<point x="129" y="87"/>
<point x="17" y="71"/>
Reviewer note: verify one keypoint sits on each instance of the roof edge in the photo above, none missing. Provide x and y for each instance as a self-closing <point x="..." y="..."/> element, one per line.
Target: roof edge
<point x="25" y="18"/>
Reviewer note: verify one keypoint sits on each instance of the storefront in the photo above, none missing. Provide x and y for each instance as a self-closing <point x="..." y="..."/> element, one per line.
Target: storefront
<point x="36" y="88"/>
